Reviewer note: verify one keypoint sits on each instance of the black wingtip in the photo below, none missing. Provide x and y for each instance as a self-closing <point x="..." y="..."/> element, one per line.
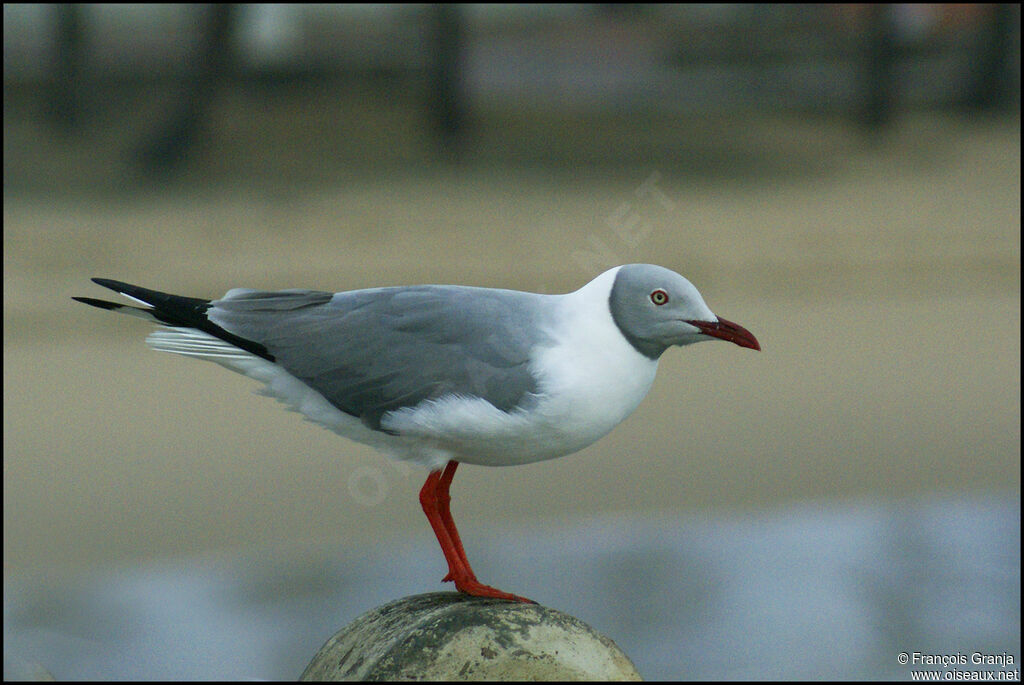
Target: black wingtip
<point x="171" y="310"/>
<point x="111" y="283"/>
<point x="102" y="304"/>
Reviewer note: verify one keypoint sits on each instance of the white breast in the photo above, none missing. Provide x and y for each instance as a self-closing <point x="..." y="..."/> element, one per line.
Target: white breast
<point x="594" y="378"/>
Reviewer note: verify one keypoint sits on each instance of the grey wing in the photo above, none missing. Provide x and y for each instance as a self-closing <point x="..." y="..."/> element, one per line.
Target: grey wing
<point x="369" y="352"/>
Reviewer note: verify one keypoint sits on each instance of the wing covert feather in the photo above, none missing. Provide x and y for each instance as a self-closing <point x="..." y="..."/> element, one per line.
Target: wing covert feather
<point x="372" y="351"/>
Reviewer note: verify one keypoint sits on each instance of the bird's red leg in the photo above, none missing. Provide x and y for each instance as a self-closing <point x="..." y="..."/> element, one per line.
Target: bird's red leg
<point x="444" y="510"/>
<point x="435" y="500"/>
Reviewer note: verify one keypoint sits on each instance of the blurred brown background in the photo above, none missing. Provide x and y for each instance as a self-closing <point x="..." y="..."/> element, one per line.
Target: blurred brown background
<point x="874" y="249"/>
<point x="885" y="293"/>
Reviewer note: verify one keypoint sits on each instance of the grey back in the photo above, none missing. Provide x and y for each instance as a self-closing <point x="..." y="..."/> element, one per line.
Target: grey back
<point x="372" y="351"/>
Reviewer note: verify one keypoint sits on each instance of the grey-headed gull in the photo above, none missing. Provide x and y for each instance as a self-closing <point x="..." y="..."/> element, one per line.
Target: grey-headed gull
<point x="443" y="374"/>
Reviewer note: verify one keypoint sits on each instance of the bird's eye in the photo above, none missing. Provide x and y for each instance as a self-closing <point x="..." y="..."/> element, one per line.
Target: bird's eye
<point x="659" y="297"/>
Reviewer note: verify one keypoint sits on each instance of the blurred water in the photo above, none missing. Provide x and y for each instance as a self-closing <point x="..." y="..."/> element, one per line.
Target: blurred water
<point x="803" y="592"/>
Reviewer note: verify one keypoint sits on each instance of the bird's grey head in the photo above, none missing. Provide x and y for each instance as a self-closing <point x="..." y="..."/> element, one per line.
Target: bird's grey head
<point x="656" y="308"/>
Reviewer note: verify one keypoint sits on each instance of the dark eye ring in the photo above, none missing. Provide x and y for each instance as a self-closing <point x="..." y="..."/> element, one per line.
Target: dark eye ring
<point x="659" y="297"/>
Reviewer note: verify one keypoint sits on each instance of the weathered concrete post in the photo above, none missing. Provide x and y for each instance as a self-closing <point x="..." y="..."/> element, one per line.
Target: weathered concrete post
<point x="451" y="636"/>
